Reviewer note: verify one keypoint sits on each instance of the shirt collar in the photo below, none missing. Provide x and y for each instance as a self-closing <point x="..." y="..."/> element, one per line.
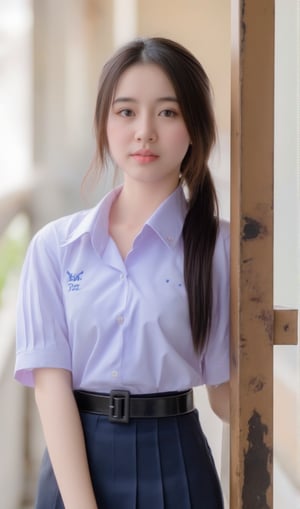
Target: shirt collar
<point x="167" y="221"/>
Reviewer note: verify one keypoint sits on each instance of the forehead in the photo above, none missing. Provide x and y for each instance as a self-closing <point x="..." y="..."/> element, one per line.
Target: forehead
<point x="144" y="79"/>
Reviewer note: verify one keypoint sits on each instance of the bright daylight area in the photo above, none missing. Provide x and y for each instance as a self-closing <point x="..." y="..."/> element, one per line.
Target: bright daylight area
<point x="51" y="53"/>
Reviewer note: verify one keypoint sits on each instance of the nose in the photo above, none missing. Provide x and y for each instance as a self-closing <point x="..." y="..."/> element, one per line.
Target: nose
<point x="145" y="129"/>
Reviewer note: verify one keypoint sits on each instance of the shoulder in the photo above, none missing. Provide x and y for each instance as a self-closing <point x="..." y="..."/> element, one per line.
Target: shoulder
<point x="60" y="234"/>
<point x="49" y="240"/>
<point x="58" y="231"/>
<point x="67" y="229"/>
<point x="61" y="229"/>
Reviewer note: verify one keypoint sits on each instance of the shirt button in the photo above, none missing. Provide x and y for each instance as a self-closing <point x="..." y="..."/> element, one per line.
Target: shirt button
<point x="170" y="240"/>
<point x="114" y="374"/>
<point x="122" y="276"/>
<point x="120" y="319"/>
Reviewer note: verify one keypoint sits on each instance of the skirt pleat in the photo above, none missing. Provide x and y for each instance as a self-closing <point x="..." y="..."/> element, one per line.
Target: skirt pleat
<point x="161" y="463"/>
<point x="176" y="488"/>
<point x="204" y="486"/>
<point x="111" y="450"/>
<point x="123" y="460"/>
<point x="150" y="489"/>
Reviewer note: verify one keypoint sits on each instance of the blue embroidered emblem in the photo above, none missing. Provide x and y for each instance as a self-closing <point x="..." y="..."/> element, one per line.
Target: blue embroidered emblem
<point x="73" y="284"/>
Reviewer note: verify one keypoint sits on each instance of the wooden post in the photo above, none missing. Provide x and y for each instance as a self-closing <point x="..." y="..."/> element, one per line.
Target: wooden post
<point x="252" y="324"/>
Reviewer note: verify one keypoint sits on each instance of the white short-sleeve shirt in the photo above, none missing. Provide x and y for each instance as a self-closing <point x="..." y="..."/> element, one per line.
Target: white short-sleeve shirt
<point x="119" y="323"/>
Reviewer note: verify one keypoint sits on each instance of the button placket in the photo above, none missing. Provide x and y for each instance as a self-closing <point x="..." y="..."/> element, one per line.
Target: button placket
<point x="115" y="373"/>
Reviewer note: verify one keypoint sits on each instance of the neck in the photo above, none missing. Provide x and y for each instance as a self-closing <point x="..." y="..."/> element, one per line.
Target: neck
<point x="137" y="201"/>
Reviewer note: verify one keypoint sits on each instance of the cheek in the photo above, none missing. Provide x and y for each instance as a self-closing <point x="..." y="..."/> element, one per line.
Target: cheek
<point x="112" y="130"/>
<point x="181" y="139"/>
<point x="115" y="135"/>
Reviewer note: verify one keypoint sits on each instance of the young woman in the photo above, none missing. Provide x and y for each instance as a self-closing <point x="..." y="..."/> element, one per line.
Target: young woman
<point x="124" y="308"/>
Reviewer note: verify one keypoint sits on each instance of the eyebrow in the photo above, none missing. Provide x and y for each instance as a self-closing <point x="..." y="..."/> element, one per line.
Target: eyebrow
<point x="132" y="100"/>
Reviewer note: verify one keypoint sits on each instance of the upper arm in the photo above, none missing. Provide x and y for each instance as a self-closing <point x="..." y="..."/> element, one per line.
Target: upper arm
<point x="41" y="328"/>
<point x="51" y="382"/>
<point x="216" y="358"/>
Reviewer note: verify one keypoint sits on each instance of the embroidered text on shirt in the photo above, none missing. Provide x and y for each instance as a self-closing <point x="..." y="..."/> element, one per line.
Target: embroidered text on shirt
<point x="73" y="284"/>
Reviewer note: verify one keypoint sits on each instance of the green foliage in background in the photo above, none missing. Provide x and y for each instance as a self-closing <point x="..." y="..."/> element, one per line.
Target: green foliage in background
<point x="13" y="246"/>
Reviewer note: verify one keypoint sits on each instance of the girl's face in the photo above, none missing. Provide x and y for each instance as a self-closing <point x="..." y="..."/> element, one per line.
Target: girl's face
<point x="147" y="136"/>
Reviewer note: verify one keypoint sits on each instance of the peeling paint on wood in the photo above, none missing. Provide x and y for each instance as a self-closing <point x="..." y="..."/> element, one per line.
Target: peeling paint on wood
<point x="256" y="384"/>
<point x="257" y="478"/>
<point x="285" y="326"/>
<point x="267" y="318"/>
<point x="252" y="228"/>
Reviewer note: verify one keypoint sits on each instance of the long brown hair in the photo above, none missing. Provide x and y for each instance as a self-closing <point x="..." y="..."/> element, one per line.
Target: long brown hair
<point x="193" y="92"/>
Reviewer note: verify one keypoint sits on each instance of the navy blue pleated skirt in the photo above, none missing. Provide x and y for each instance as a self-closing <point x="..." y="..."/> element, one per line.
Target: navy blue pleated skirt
<point x="162" y="463"/>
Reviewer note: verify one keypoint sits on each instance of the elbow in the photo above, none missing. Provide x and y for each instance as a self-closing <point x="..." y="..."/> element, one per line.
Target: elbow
<point x="219" y="401"/>
<point x="222" y="412"/>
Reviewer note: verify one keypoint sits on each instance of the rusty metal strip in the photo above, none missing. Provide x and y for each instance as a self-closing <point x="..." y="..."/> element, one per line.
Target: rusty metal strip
<point x="252" y="254"/>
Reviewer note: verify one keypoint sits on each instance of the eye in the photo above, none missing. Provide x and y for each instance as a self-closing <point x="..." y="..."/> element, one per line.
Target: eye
<point x="126" y="112"/>
<point x="168" y="113"/>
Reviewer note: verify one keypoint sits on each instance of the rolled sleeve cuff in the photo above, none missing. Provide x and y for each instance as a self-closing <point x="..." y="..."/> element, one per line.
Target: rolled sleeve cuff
<point x="27" y="361"/>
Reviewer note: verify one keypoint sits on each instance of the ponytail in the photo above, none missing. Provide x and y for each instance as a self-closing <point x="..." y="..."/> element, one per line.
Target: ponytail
<point x="199" y="237"/>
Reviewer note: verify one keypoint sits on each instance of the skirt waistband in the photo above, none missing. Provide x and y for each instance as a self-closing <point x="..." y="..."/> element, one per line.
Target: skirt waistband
<point x="120" y="405"/>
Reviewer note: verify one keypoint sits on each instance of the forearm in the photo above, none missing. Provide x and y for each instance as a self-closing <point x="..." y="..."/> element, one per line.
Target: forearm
<point x="64" y="437"/>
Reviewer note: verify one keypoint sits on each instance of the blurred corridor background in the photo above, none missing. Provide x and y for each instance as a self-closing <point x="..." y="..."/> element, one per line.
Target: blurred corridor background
<point x="51" y="54"/>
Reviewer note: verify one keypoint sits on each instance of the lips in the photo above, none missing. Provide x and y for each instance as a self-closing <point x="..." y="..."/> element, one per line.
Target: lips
<point x="144" y="156"/>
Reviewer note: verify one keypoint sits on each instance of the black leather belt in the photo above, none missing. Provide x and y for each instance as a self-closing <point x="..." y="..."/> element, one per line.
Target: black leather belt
<point x="120" y="405"/>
